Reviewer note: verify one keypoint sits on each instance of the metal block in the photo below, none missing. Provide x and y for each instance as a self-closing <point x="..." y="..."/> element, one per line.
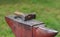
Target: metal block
<point x="28" y="27"/>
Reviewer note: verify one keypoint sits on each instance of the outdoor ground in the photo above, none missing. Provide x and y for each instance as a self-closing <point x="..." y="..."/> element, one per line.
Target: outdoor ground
<point x="47" y="11"/>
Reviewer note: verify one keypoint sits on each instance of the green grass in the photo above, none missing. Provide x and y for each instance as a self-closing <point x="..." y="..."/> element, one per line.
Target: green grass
<point x="47" y="11"/>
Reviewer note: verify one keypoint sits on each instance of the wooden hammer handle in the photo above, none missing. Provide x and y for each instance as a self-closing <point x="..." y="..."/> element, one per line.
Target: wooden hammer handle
<point x="19" y="13"/>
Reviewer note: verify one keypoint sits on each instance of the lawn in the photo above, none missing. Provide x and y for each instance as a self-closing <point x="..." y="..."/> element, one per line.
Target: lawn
<point x="47" y="11"/>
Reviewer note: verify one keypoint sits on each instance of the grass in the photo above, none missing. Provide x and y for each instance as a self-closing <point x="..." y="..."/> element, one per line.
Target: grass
<point x="47" y="11"/>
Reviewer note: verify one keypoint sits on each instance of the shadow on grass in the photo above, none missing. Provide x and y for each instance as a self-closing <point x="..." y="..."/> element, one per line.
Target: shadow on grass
<point x="3" y="2"/>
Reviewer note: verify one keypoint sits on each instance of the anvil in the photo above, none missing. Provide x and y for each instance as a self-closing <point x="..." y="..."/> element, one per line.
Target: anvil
<point x="25" y="25"/>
